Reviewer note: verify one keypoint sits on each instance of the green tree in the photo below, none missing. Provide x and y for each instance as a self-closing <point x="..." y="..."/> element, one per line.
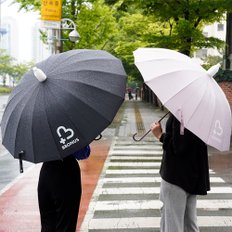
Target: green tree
<point x="184" y="20"/>
<point x="9" y="68"/>
<point x="95" y="22"/>
<point x="173" y="24"/>
<point x="5" y="65"/>
<point x="18" y="70"/>
<point x="133" y="35"/>
<point x="129" y="24"/>
<point x="96" y="25"/>
<point x="209" y="61"/>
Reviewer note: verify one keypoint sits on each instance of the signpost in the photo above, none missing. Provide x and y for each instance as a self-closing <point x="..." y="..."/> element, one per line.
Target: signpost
<point x="51" y="20"/>
<point x="51" y="13"/>
<point x="51" y="10"/>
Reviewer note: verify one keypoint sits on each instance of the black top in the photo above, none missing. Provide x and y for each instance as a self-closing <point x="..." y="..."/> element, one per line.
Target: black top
<point x="185" y="159"/>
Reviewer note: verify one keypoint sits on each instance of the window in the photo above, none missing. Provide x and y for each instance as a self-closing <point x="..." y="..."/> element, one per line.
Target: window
<point x="220" y="27"/>
<point x="201" y="53"/>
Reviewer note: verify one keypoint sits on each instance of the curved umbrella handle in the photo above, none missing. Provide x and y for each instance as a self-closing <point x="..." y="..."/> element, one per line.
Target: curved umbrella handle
<point x="98" y="137"/>
<point x="137" y="140"/>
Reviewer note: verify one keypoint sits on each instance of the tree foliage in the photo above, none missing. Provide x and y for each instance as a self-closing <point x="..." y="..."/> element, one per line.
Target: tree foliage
<point x="96" y="25"/>
<point x="184" y="21"/>
<point x="132" y="36"/>
<point x="121" y="26"/>
<point x="9" y="68"/>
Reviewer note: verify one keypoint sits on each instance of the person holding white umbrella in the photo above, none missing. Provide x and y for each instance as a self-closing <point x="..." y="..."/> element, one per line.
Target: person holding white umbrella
<point x="185" y="174"/>
<point x="200" y="116"/>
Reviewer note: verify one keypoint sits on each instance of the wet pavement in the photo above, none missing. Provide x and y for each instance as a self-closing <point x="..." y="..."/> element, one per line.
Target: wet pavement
<point x="127" y="195"/>
<point x="18" y="193"/>
<point x="221" y="163"/>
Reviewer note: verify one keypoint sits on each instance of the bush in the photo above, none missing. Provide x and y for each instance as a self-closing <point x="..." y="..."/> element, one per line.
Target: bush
<point x="5" y="90"/>
<point x="223" y="75"/>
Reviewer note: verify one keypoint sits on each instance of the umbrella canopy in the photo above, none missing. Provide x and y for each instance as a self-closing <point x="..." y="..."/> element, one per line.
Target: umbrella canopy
<point x="62" y="104"/>
<point x="189" y="92"/>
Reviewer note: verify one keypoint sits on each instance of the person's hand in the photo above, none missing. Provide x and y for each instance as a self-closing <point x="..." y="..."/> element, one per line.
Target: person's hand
<point x="156" y="130"/>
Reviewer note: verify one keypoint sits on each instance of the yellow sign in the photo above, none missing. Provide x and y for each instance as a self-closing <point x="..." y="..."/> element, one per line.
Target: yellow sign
<point x="51" y="10"/>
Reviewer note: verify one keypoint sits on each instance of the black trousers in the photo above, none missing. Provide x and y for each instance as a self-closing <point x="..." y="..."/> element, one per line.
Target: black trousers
<point x="59" y="195"/>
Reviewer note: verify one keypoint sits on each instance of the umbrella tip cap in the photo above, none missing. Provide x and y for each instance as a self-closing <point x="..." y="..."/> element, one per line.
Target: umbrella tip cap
<point x="39" y="74"/>
<point x="213" y="70"/>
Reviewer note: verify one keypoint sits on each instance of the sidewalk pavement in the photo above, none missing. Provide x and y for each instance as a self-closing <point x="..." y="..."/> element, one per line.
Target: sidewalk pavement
<point x="18" y="201"/>
<point x="19" y="210"/>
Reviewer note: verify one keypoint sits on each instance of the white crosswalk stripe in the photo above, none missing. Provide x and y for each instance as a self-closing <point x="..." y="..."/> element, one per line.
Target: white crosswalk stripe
<point x="156" y="204"/>
<point x="127" y="194"/>
<point x="129" y="171"/>
<point x="153" y="222"/>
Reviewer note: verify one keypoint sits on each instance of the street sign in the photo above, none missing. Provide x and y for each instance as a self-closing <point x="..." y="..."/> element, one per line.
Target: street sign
<point x="50" y="24"/>
<point x="51" y="10"/>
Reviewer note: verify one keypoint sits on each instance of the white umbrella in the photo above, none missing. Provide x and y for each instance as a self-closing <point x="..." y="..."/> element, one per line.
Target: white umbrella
<point x="189" y="92"/>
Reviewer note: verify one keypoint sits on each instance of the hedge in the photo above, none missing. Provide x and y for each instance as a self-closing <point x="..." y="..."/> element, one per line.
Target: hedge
<point x="223" y="75"/>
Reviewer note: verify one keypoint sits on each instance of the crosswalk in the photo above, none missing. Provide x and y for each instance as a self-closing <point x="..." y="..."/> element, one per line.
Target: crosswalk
<point x="126" y="198"/>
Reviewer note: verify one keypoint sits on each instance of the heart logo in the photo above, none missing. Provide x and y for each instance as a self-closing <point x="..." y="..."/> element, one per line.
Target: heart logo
<point x="217" y="128"/>
<point x="68" y="132"/>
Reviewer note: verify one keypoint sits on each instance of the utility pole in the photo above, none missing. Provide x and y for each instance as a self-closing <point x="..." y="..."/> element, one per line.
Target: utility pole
<point x="228" y="52"/>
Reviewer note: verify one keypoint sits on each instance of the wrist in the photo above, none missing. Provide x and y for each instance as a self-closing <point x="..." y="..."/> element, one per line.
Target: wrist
<point x="159" y="136"/>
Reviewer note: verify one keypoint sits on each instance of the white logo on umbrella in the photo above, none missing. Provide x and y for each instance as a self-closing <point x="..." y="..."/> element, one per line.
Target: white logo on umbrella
<point x="69" y="134"/>
<point x="66" y="131"/>
<point x="217" y="128"/>
<point x="217" y="131"/>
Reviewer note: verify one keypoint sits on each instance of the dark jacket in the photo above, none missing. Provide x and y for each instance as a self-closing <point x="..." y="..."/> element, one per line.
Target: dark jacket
<point x="185" y="159"/>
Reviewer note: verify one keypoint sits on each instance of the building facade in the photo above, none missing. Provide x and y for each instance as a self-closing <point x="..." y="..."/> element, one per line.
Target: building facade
<point x="19" y="33"/>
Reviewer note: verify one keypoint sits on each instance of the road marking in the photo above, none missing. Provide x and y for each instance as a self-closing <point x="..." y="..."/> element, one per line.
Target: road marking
<point x="153" y="190"/>
<point x="136" y="152"/>
<point x="157" y="204"/>
<point x="124" y="189"/>
<point x="154" y="222"/>
<point x="122" y="158"/>
<point x="129" y="171"/>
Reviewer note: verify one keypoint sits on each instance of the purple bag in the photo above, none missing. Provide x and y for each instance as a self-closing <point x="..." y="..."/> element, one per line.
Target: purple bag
<point x="82" y="153"/>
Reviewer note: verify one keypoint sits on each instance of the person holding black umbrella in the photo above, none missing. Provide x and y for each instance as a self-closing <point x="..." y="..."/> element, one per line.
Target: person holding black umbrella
<point x="59" y="107"/>
<point x="59" y="192"/>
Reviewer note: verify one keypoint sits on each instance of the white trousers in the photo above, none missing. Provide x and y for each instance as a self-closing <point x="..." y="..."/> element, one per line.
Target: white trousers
<point x="178" y="213"/>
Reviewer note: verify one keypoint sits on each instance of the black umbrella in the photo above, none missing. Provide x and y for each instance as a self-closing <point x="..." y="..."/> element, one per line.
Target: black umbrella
<point x="63" y="104"/>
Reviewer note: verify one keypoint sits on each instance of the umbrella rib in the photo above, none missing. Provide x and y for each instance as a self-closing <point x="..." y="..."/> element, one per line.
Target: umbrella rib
<point x="70" y="56"/>
<point x="90" y="86"/>
<point x="22" y="90"/>
<point x="65" y="113"/>
<point x="32" y="124"/>
<point x="82" y="61"/>
<point x="169" y="59"/>
<point x="195" y="107"/>
<point x="84" y="70"/>
<point x="198" y="107"/>
<point x="9" y="102"/>
<point x="174" y="72"/>
<point x="44" y="102"/>
<point x="84" y="102"/>
<point x="161" y="76"/>
<point x="20" y="117"/>
<point x="211" y="121"/>
<point x="198" y="104"/>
